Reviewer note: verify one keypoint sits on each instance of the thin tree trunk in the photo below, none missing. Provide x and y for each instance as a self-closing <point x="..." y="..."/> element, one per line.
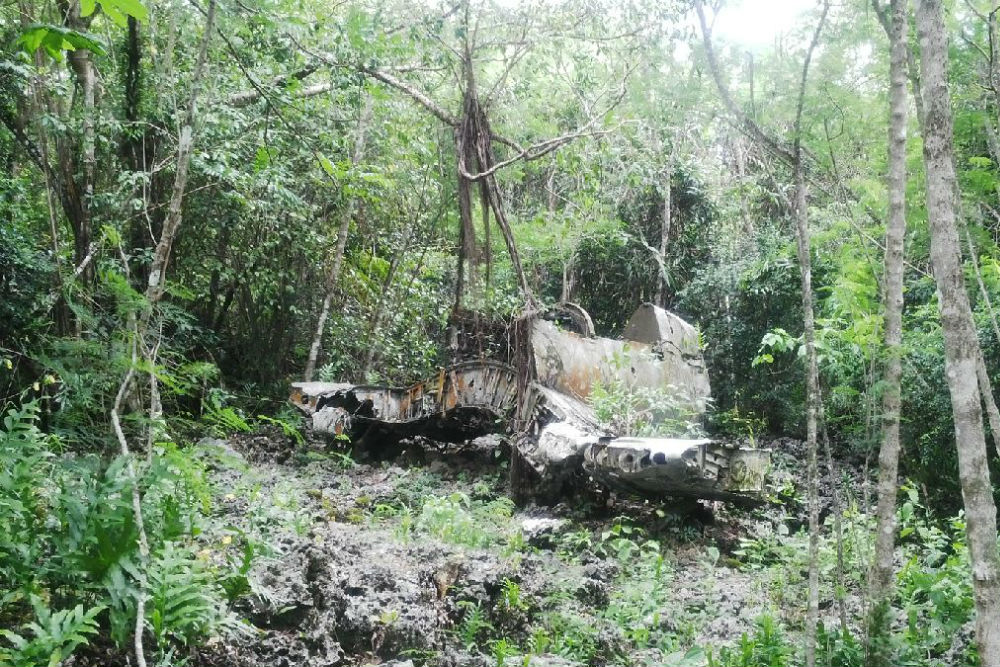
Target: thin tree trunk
<point x="333" y="275"/>
<point x="985" y="384"/>
<point x="132" y="143"/>
<point x="961" y="344"/>
<point x="466" y="231"/>
<point x="986" y="390"/>
<point x="886" y="18"/>
<point x="383" y="298"/>
<point x="185" y="144"/>
<point x="484" y="204"/>
<point x="983" y="292"/>
<point x="838" y="519"/>
<point x="123" y="389"/>
<point x="791" y="154"/>
<point x="481" y="137"/>
<point x="138" y="326"/>
<point x="665" y="221"/>
<point x="82" y="63"/>
<point x="508" y="236"/>
<point x="812" y="405"/>
<point x="888" y="460"/>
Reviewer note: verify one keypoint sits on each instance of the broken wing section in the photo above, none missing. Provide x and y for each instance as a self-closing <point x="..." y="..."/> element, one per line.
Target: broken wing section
<point x="460" y="402"/>
<point x="695" y="468"/>
<point x="565" y="437"/>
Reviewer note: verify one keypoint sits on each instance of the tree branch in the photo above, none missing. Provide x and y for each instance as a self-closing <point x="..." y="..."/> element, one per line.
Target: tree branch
<point x="748" y="125"/>
<point x="416" y="95"/>
<point x="800" y="104"/>
<point x="10" y="122"/>
<point x="248" y="97"/>
<point x="543" y="148"/>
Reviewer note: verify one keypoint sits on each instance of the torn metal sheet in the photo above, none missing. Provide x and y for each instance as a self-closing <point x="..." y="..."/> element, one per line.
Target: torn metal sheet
<point x="566" y="436"/>
<point x="696" y="468"/>
<point x="560" y="429"/>
<point x="574" y="364"/>
<point x="557" y="434"/>
<point x="461" y="402"/>
<point x="304" y="395"/>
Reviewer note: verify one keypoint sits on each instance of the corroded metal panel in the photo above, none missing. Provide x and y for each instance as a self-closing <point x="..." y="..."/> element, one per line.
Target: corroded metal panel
<point x="484" y="386"/>
<point x="684" y="467"/>
<point x="566" y="435"/>
<point x="574" y="364"/>
<point x="305" y="394"/>
<point x="561" y="434"/>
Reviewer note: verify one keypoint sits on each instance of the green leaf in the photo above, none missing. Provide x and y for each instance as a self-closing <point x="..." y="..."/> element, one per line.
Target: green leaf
<point x="112" y="12"/>
<point x="262" y="159"/>
<point x="117" y="10"/>
<point x="18" y="641"/>
<point x="132" y="8"/>
<point x="327" y="166"/>
<point x="56" y="39"/>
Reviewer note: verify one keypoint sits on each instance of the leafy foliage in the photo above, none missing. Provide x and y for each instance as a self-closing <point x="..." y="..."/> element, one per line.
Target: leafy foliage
<point x="53" y="636"/>
<point x="55" y="39"/>
<point x="184" y="603"/>
<point x="72" y="531"/>
<point x="86" y="181"/>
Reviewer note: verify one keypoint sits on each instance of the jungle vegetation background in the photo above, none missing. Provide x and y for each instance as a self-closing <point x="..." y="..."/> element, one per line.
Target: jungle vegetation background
<point x="187" y="185"/>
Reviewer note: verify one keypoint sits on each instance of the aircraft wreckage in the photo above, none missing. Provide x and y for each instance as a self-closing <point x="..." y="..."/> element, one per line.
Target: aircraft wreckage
<point x="532" y="382"/>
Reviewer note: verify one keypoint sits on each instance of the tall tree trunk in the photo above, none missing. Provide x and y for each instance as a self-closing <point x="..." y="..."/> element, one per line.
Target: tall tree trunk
<point x="383" y="297"/>
<point x="838" y="522"/>
<point x="132" y="145"/>
<point x="140" y="326"/>
<point x="961" y="344"/>
<point x="665" y="222"/>
<point x="812" y="405"/>
<point x="888" y="460"/>
<point x="156" y="283"/>
<point x="81" y="61"/>
<point x="985" y="385"/>
<point x="333" y="275"/>
<point x="466" y="229"/>
<point x="813" y="400"/>
<point x="790" y="152"/>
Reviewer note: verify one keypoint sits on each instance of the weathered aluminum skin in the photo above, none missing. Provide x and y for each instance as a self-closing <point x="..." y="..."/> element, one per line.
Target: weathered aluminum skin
<point x="574" y="364"/>
<point x="565" y="435"/>
<point x="697" y="468"/>
<point x="440" y="406"/>
<point x="562" y="434"/>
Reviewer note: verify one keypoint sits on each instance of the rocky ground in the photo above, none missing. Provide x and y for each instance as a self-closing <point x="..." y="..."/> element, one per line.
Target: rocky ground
<point x="423" y="560"/>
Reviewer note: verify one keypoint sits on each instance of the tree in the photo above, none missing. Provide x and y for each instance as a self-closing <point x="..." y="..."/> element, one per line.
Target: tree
<point x="961" y="344"/>
<point x="333" y="273"/>
<point x="896" y="24"/>
<point x="791" y="153"/>
<point x="146" y="339"/>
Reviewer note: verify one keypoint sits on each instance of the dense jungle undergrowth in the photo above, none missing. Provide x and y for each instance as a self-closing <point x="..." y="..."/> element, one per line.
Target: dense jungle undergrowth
<point x="203" y="201"/>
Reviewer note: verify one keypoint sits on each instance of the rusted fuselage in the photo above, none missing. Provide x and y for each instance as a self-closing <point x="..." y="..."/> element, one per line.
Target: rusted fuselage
<point x="554" y="428"/>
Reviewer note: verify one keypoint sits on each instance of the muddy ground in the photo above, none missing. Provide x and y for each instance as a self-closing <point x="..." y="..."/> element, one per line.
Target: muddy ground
<point x="423" y="560"/>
